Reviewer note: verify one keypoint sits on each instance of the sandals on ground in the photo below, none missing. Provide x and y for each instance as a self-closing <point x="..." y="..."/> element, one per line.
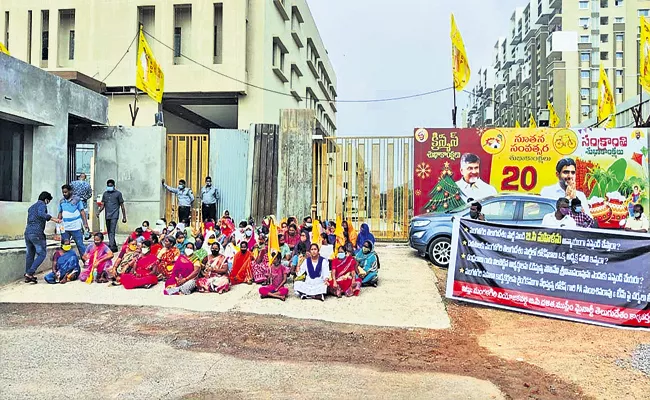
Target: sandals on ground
<point x="30" y="279"/>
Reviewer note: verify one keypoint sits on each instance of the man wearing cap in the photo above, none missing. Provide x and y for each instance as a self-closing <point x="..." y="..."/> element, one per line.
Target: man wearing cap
<point x="565" y="170"/>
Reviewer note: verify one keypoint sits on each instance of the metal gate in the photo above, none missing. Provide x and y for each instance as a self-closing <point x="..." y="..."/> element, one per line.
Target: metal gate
<point x="366" y="180"/>
<point x="187" y="158"/>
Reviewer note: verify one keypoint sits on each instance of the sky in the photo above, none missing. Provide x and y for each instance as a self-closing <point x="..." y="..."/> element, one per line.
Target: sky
<point x="382" y="49"/>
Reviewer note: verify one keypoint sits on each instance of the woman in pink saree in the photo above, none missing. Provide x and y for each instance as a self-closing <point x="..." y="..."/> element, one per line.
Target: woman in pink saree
<point x="98" y="259"/>
<point x="215" y="273"/>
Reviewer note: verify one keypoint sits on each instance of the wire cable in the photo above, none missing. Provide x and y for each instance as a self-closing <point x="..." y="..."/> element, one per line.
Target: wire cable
<point x="122" y="58"/>
<point x="290" y="95"/>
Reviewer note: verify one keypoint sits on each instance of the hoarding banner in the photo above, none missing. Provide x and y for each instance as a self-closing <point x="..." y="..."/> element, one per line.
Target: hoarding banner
<point x="452" y="166"/>
<point x="593" y="276"/>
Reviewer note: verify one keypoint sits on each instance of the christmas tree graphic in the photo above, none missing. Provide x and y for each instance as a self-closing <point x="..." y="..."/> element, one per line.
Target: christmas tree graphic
<point x="446" y="194"/>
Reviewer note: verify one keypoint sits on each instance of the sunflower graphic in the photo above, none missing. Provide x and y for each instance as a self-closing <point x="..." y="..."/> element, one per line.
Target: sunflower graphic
<point x="423" y="170"/>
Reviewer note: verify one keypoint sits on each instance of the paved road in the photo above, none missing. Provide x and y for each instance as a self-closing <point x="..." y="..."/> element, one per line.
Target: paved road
<point x="406" y="297"/>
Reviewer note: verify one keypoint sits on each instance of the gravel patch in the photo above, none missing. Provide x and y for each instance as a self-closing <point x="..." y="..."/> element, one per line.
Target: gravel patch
<point x="640" y="359"/>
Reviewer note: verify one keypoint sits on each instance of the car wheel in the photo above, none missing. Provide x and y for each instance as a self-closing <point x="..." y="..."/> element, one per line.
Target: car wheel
<point x="440" y="252"/>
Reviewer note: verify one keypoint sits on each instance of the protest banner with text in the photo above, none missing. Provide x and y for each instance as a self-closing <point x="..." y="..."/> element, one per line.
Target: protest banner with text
<point x="591" y="276"/>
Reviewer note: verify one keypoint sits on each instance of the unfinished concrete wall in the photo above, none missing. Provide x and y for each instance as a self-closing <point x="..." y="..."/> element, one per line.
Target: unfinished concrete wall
<point x="295" y="176"/>
<point x="31" y="96"/>
<point x="135" y="158"/>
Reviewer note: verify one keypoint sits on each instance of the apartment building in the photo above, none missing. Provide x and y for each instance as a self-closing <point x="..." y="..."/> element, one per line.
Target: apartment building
<point x="216" y="55"/>
<point x="554" y="50"/>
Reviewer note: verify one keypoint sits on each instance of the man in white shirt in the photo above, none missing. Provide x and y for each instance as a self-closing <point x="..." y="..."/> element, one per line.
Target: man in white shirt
<point x="471" y="185"/>
<point x="560" y="218"/>
<point x="639" y="222"/>
<point x="565" y="170"/>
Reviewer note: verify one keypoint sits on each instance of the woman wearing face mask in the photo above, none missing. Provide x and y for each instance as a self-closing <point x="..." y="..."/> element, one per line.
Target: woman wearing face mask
<point x="215" y="274"/>
<point x="364" y="235"/>
<point x="316" y="271"/>
<point x="144" y="274"/>
<point x="65" y="265"/>
<point x="299" y="252"/>
<point x="98" y="259"/>
<point x="277" y="279"/>
<point x="344" y="278"/>
<point x="368" y="264"/>
<point x="260" y="267"/>
<point x="186" y="268"/>
<point x="241" y="266"/>
<point x="167" y="257"/>
<point x="125" y="262"/>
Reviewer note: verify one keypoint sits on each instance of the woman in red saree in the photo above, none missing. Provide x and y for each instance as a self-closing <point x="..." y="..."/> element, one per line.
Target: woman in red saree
<point x="144" y="274"/>
<point x="260" y="267"/>
<point x="344" y="279"/>
<point x="166" y="258"/>
<point x="241" y="266"/>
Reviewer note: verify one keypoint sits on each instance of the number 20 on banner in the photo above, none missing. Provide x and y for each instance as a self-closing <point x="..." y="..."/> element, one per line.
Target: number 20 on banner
<point x="516" y="179"/>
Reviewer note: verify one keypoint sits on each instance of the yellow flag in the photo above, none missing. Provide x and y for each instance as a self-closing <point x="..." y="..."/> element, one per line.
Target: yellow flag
<point x="606" y="106"/>
<point x="3" y="49"/>
<point x="460" y="63"/>
<point x="553" y="118"/>
<point x="531" y="122"/>
<point x="567" y="112"/>
<point x="338" y="231"/>
<point x="644" y="54"/>
<point x="149" y="76"/>
<point x="517" y="124"/>
<point x="273" y="242"/>
<point x="315" y="233"/>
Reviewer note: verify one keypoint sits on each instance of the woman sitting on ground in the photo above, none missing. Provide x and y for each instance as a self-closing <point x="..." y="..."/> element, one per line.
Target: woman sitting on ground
<point x="363" y="236"/>
<point x="215" y="273"/>
<point x="316" y="272"/>
<point x="241" y="266"/>
<point x="230" y="251"/>
<point x="144" y="274"/>
<point x="98" y="259"/>
<point x="181" y="241"/>
<point x="186" y="268"/>
<point x="65" y="265"/>
<point x="368" y="264"/>
<point x="277" y="279"/>
<point x="155" y="245"/>
<point x="344" y="278"/>
<point x="167" y="257"/>
<point x="260" y="267"/>
<point x="125" y="262"/>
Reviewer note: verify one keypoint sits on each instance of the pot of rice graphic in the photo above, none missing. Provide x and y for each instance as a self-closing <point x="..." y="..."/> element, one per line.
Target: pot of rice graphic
<point x="618" y="204"/>
<point x="600" y="210"/>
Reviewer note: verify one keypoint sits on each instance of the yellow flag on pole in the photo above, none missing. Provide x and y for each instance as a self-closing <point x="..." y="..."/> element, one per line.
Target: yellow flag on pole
<point x="531" y="122"/>
<point x="338" y="231"/>
<point x="149" y="76"/>
<point x="3" y="49"/>
<point x="553" y="118"/>
<point x="517" y="124"/>
<point x="273" y="242"/>
<point x="567" y="112"/>
<point x="460" y="64"/>
<point x="606" y="106"/>
<point x="315" y="233"/>
<point x="644" y="54"/>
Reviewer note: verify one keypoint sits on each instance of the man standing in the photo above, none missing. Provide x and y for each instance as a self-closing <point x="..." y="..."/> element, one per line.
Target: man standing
<point x="565" y="170"/>
<point x="209" y="199"/>
<point x="578" y="214"/>
<point x="112" y="201"/>
<point x="639" y="223"/>
<point x="72" y="213"/>
<point x="81" y="188"/>
<point x="560" y="218"/>
<point x="35" y="241"/>
<point x="471" y="185"/>
<point x="184" y="196"/>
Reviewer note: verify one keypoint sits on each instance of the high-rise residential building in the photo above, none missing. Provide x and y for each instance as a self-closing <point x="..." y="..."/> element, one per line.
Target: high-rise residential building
<point x="553" y="52"/>
<point x="216" y="55"/>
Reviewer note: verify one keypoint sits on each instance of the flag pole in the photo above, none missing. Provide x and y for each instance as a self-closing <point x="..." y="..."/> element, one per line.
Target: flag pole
<point x="454" y="110"/>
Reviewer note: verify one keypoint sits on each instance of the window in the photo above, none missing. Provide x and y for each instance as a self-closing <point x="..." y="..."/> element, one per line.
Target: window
<point x="500" y="210"/>
<point x="6" y="38"/>
<point x="584" y="93"/>
<point x="604" y="55"/>
<point x="71" y="46"/>
<point x="218" y="33"/>
<point x="644" y="12"/>
<point x="45" y="37"/>
<point x="619" y="90"/>
<point x="619" y="20"/>
<point x="585" y="110"/>
<point x="583" y="5"/>
<point x="619" y="73"/>
<point x="29" y="36"/>
<point x="618" y="3"/>
<point x="12" y="142"/>
<point x="584" y="38"/>
<point x="534" y="211"/>
<point x="584" y="57"/>
<point x="619" y="55"/>
<point x="278" y="57"/>
<point x="604" y="38"/>
<point x="603" y="4"/>
<point x="177" y="41"/>
<point x="583" y="22"/>
<point x="147" y="18"/>
<point x="619" y="37"/>
<point x="65" y="36"/>
<point x="604" y="20"/>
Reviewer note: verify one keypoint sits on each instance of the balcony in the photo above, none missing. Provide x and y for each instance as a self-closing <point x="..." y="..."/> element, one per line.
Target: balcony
<point x="282" y="9"/>
<point x="312" y="66"/>
<point x="499" y="82"/>
<point x="323" y="87"/>
<point x="333" y="105"/>
<point x="280" y="74"/>
<point x="296" y="38"/>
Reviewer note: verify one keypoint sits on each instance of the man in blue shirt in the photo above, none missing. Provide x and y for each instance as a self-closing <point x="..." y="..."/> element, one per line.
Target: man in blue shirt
<point x="72" y="212"/>
<point x="112" y="202"/>
<point x="209" y="199"/>
<point x="81" y="188"/>
<point x="184" y="196"/>
<point x="35" y="241"/>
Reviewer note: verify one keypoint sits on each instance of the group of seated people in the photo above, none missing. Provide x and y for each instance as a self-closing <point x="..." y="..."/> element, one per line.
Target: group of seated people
<point x="316" y="257"/>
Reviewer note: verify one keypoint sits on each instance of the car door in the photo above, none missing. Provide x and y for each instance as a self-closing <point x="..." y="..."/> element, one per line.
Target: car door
<point x="534" y="212"/>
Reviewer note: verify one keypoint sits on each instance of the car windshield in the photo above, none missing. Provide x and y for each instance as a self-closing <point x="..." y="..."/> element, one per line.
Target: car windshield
<point x="461" y="208"/>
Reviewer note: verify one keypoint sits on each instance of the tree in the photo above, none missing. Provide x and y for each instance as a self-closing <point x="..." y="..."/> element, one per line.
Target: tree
<point x="446" y="194"/>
